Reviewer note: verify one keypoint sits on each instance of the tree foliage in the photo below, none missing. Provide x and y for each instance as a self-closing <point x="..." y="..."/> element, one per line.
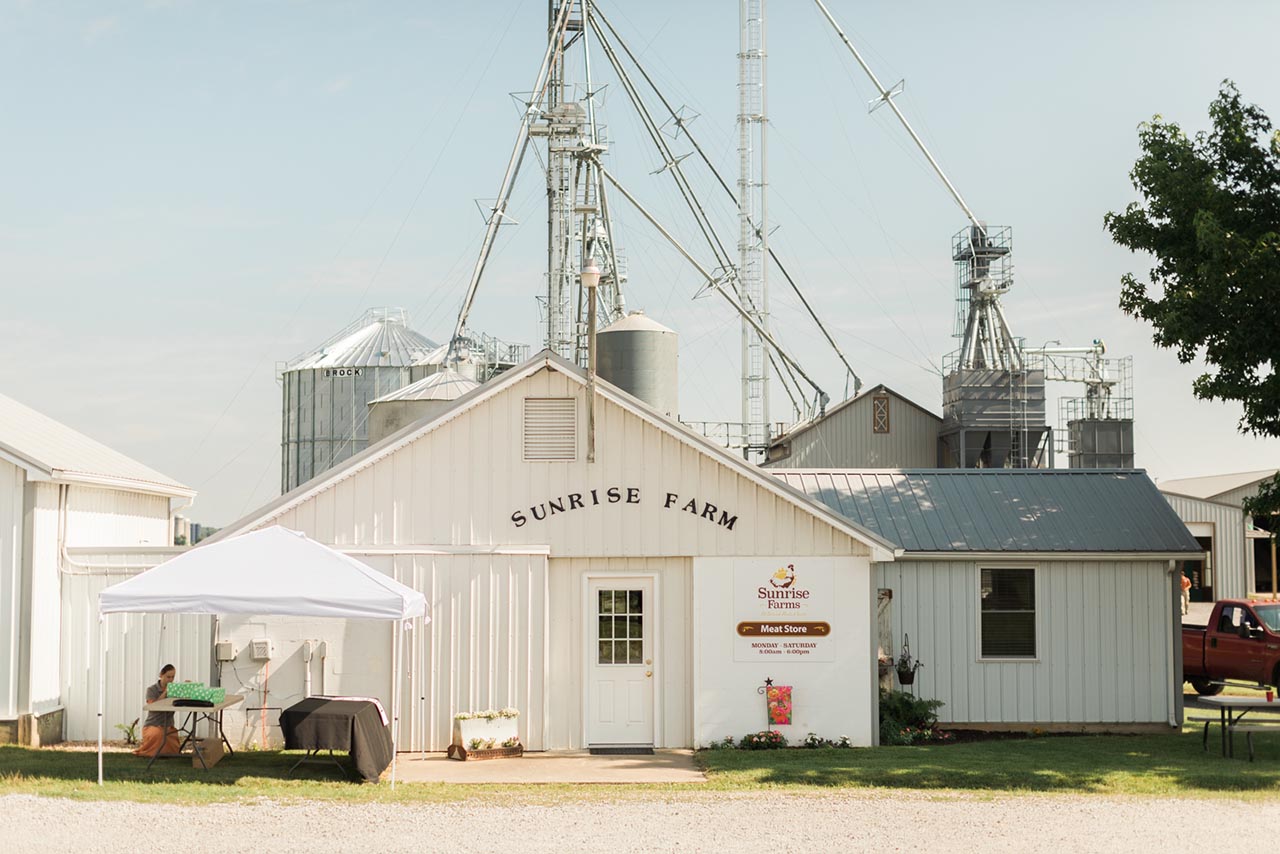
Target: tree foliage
<point x="1210" y="217"/>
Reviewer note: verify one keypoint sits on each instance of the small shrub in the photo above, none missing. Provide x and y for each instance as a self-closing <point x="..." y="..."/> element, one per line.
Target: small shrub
<point x="476" y="743"/>
<point x="514" y="741"/>
<point x="769" y="739"/>
<point x="813" y="741"/>
<point x="907" y="719"/>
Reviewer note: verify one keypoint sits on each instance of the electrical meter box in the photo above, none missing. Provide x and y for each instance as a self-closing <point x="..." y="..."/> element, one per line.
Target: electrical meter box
<point x="224" y="651"/>
<point x="260" y="650"/>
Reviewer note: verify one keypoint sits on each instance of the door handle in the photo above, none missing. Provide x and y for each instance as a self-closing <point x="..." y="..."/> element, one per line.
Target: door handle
<point x="648" y="661"/>
<point x="1213" y="642"/>
<point x="648" y="674"/>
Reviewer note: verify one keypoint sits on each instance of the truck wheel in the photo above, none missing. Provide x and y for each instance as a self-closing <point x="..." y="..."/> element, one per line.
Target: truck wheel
<point x="1205" y="688"/>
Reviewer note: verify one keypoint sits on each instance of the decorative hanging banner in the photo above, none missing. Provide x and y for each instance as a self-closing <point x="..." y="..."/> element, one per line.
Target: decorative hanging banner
<point x="778" y="698"/>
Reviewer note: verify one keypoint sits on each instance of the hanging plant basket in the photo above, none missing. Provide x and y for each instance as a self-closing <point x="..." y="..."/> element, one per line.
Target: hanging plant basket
<point x="905" y="664"/>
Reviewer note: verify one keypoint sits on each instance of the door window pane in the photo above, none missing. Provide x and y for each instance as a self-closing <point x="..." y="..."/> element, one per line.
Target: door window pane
<point x="620" y="626"/>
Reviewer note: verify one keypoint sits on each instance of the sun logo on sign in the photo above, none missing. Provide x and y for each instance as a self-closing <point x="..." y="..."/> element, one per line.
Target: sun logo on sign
<point x="784" y="577"/>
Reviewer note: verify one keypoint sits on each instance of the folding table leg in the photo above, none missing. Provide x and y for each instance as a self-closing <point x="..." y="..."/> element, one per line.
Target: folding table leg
<point x="221" y="734"/>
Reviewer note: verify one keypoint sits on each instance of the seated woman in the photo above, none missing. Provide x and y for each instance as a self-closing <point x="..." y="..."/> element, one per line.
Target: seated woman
<point x="158" y="731"/>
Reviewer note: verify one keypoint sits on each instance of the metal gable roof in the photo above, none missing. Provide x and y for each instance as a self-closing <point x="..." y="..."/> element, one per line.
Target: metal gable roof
<point x="1212" y="486"/>
<point x="1002" y="510"/>
<point x="56" y="452"/>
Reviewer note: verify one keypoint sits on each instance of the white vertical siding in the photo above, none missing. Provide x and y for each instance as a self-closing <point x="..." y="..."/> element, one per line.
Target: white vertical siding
<point x="674" y="665"/>
<point x="1231" y="576"/>
<point x="12" y="481"/>
<point x="1236" y="497"/>
<point x="45" y="602"/>
<point x="112" y="517"/>
<point x="482" y="649"/>
<point x="1103" y="643"/>
<point x="845" y="439"/>
<point x="138" y="645"/>
<point x="460" y="483"/>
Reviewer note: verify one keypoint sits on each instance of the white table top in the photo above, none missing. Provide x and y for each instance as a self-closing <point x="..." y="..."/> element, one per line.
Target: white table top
<point x="1241" y="702"/>
<point x="166" y="705"/>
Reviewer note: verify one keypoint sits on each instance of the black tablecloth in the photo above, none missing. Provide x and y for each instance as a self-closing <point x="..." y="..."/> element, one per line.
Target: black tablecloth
<point x="354" y="726"/>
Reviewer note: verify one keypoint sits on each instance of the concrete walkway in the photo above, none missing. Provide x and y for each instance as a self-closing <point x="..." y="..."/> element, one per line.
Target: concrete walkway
<point x="568" y="766"/>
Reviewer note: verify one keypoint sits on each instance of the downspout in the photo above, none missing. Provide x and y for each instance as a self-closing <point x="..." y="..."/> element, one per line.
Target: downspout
<point x="1175" y="647"/>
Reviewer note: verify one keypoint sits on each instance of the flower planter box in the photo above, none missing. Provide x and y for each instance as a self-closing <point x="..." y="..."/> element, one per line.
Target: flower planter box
<point x="457" y="751"/>
<point x="497" y="730"/>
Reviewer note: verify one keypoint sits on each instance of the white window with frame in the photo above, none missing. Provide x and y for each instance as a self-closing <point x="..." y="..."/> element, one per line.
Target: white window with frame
<point x="1007" y="613"/>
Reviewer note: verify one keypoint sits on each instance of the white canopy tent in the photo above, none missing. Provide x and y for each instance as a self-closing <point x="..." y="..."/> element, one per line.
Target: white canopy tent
<point x="274" y="571"/>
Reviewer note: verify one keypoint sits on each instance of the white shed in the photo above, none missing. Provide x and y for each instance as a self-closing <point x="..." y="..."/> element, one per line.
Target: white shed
<point x="642" y="597"/>
<point x="69" y="506"/>
<point x="1035" y="598"/>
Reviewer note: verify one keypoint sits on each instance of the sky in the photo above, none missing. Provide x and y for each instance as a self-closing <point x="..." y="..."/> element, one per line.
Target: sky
<point x="193" y="193"/>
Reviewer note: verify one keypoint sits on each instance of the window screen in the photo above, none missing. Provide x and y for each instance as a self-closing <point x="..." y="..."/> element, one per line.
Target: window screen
<point x="1008" y="613"/>
<point x="550" y="428"/>
<point x="880" y="414"/>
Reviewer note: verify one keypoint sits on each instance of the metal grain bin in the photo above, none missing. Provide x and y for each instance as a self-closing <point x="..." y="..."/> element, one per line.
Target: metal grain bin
<point x="327" y="391"/>
<point x="639" y="355"/>
<point x="426" y="398"/>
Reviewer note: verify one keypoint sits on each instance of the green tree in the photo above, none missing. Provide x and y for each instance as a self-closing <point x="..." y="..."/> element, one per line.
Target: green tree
<point x="1210" y="218"/>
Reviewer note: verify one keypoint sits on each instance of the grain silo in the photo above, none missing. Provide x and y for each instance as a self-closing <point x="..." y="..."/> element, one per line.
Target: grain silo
<point x="327" y="391"/>
<point x="428" y="396"/>
<point x="639" y="355"/>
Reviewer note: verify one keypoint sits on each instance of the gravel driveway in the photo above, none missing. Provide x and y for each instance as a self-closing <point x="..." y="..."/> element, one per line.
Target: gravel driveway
<point x="705" y="821"/>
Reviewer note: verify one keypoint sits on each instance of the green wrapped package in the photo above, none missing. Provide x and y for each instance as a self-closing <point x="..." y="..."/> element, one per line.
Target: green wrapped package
<point x="185" y="690"/>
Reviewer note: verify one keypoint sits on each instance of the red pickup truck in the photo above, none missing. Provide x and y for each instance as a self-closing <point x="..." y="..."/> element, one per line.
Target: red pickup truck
<point x="1240" y="644"/>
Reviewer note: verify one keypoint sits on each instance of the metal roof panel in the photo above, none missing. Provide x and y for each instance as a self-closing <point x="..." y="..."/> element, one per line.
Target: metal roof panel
<point x="1007" y="510"/>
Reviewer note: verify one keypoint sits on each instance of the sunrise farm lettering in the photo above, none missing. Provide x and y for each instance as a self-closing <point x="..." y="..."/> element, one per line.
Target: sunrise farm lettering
<point x="621" y="495"/>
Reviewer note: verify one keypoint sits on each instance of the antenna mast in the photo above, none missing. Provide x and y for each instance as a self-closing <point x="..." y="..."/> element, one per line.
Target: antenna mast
<point x="753" y="229"/>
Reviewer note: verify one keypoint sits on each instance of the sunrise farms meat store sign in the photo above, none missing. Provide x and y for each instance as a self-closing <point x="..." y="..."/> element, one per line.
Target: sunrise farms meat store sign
<point x="640" y="598"/>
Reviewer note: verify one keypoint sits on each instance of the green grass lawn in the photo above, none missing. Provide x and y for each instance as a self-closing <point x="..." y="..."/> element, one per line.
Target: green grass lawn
<point x="1117" y="765"/>
<point x="1141" y="765"/>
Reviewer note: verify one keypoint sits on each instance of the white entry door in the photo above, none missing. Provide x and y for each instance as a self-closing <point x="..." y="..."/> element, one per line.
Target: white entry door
<point x="620" y="672"/>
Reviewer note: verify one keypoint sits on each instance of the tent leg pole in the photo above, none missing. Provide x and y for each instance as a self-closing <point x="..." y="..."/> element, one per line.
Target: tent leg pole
<point x="395" y="703"/>
<point x="102" y="682"/>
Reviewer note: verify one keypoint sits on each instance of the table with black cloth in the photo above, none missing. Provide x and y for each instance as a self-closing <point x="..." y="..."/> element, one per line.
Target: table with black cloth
<point x="352" y="726"/>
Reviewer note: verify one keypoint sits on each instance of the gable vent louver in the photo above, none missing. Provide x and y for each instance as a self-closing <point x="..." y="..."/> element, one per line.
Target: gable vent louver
<point x="550" y="429"/>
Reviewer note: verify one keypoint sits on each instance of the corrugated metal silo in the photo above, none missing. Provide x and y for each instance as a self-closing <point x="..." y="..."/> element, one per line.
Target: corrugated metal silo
<point x="327" y="391"/>
<point x="425" y="398"/>
<point x="639" y="356"/>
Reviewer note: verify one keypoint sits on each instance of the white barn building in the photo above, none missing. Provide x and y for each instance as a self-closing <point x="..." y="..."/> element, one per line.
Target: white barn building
<point x="640" y="598"/>
<point x="1238" y="556"/>
<point x="1035" y="598"/>
<point x="73" y="515"/>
